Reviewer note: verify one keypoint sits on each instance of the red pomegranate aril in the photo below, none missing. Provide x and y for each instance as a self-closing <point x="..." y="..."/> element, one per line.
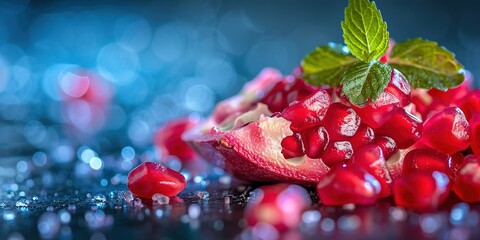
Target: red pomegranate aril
<point x="452" y="95"/>
<point x="363" y="136"/>
<point x="370" y="157"/>
<point x="399" y="87"/>
<point x="149" y="178"/>
<point x="292" y="146"/>
<point x="337" y="153"/>
<point x="308" y="112"/>
<point x="470" y="104"/>
<point x="169" y="138"/>
<point x="475" y="132"/>
<point x="387" y="144"/>
<point x="341" y="122"/>
<point x="279" y="206"/>
<point x="467" y="184"/>
<point x="346" y="185"/>
<point x="315" y="141"/>
<point x="275" y="99"/>
<point x="403" y="127"/>
<point x="427" y="159"/>
<point x="421" y="191"/>
<point x="375" y="114"/>
<point x="447" y="131"/>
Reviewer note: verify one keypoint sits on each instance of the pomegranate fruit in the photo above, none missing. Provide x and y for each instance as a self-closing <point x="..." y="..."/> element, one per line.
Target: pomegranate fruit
<point x="149" y="178"/>
<point x="467" y="184"/>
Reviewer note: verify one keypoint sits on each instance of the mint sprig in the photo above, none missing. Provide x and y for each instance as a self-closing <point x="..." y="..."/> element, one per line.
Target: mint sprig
<point x="424" y="63"/>
<point x="364" y="30"/>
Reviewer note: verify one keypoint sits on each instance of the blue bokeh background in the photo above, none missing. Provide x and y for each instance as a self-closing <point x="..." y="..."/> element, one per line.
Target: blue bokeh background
<point x="164" y="59"/>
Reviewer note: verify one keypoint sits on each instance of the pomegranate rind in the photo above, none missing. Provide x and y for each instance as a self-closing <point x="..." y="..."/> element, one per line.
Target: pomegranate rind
<point x="253" y="152"/>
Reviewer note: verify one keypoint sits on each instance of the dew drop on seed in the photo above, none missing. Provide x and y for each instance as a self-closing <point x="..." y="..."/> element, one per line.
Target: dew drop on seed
<point x="160" y="199"/>
<point x="349" y="223"/>
<point x="311" y="217"/>
<point x="194" y="211"/>
<point x="203" y="194"/>
<point x="327" y="225"/>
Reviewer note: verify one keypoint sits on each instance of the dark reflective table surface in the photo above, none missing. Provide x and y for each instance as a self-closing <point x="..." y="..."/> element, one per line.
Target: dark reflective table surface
<point x="87" y="198"/>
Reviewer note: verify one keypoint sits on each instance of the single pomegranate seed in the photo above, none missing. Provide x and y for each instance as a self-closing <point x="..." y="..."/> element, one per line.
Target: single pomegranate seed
<point x="399" y="87"/>
<point x="292" y="146"/>
<point x="427" y="159"/>
<point x="375" y="114"/>
<point x="169" y="138"/>
<point x="363" y="136"/>
<point x="470" y="104"/>
<point x="370" y="157"/>
<point x="403" y="127"/>
<point x="387" y="144"/>
<point x="341" y="122"/>
<point x="149" y="178"/>
<point x="308" y="112"/>
<point x="453" y="95"/>
<point x="475" y="132"/>
<point x="279" y="206"/>
<point x="421" y="190"/>
<point x="275" y="99"/>
<point x="348" y="184"/>
<point x="467" y="184"/>
<point x="315" y="141"/>
<point x="447" y="131"/>
<point x="337" y="153"/>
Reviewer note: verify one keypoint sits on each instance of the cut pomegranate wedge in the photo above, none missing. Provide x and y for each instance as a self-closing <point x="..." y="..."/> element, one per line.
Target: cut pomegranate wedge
<point x="254" y="152"/>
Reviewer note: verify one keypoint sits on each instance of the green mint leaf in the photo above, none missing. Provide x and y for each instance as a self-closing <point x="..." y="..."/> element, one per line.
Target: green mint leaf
<point x="326" y="65"/>
<point x="364" y="30"/>
<point x="425" y="64"/>
<point x="365" y="80"/>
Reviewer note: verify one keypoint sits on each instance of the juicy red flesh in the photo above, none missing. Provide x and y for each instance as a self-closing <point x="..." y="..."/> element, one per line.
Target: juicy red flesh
<point x="403" y="127"/>
<point x="286" y="92"/>
<point x="447" y="131"/>
<point x="337" y="153"/>
<point x="344" y="185"/>
<point x="475" y="133"/>
<point x="363" y="136"/>
<point x="370" y="157"/>
<point x="467" y="184"/>
<point x="421" y="190"/>
<point x="307" y="112"/>
<point x="426" y="159"/>
<point x="315" y="141"/>
<point x="292" y="146"/>
<point x="341" y="122"/>
<point x="279" y="205"/>
<point x="149" y="178"/>
<point x="169" y="138"/>
<point x="387" y="144"/>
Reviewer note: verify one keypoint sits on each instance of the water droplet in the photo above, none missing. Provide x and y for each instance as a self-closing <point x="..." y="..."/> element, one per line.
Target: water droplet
<point x="349" y="223"/>
<point x="8" y="215"/>
<point x="65" y="216"/>
<point x="459" y="213"/>
<point x="203" y="194"/>
<point x="48" y="225"/>
<point x="160" y="199"/>
<point x="194" y="211"/>
<point x="137" y="202"/>
<point x="311" y="217"/>
<point x="128" y="196"/>
<point x="327" y="225"/>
